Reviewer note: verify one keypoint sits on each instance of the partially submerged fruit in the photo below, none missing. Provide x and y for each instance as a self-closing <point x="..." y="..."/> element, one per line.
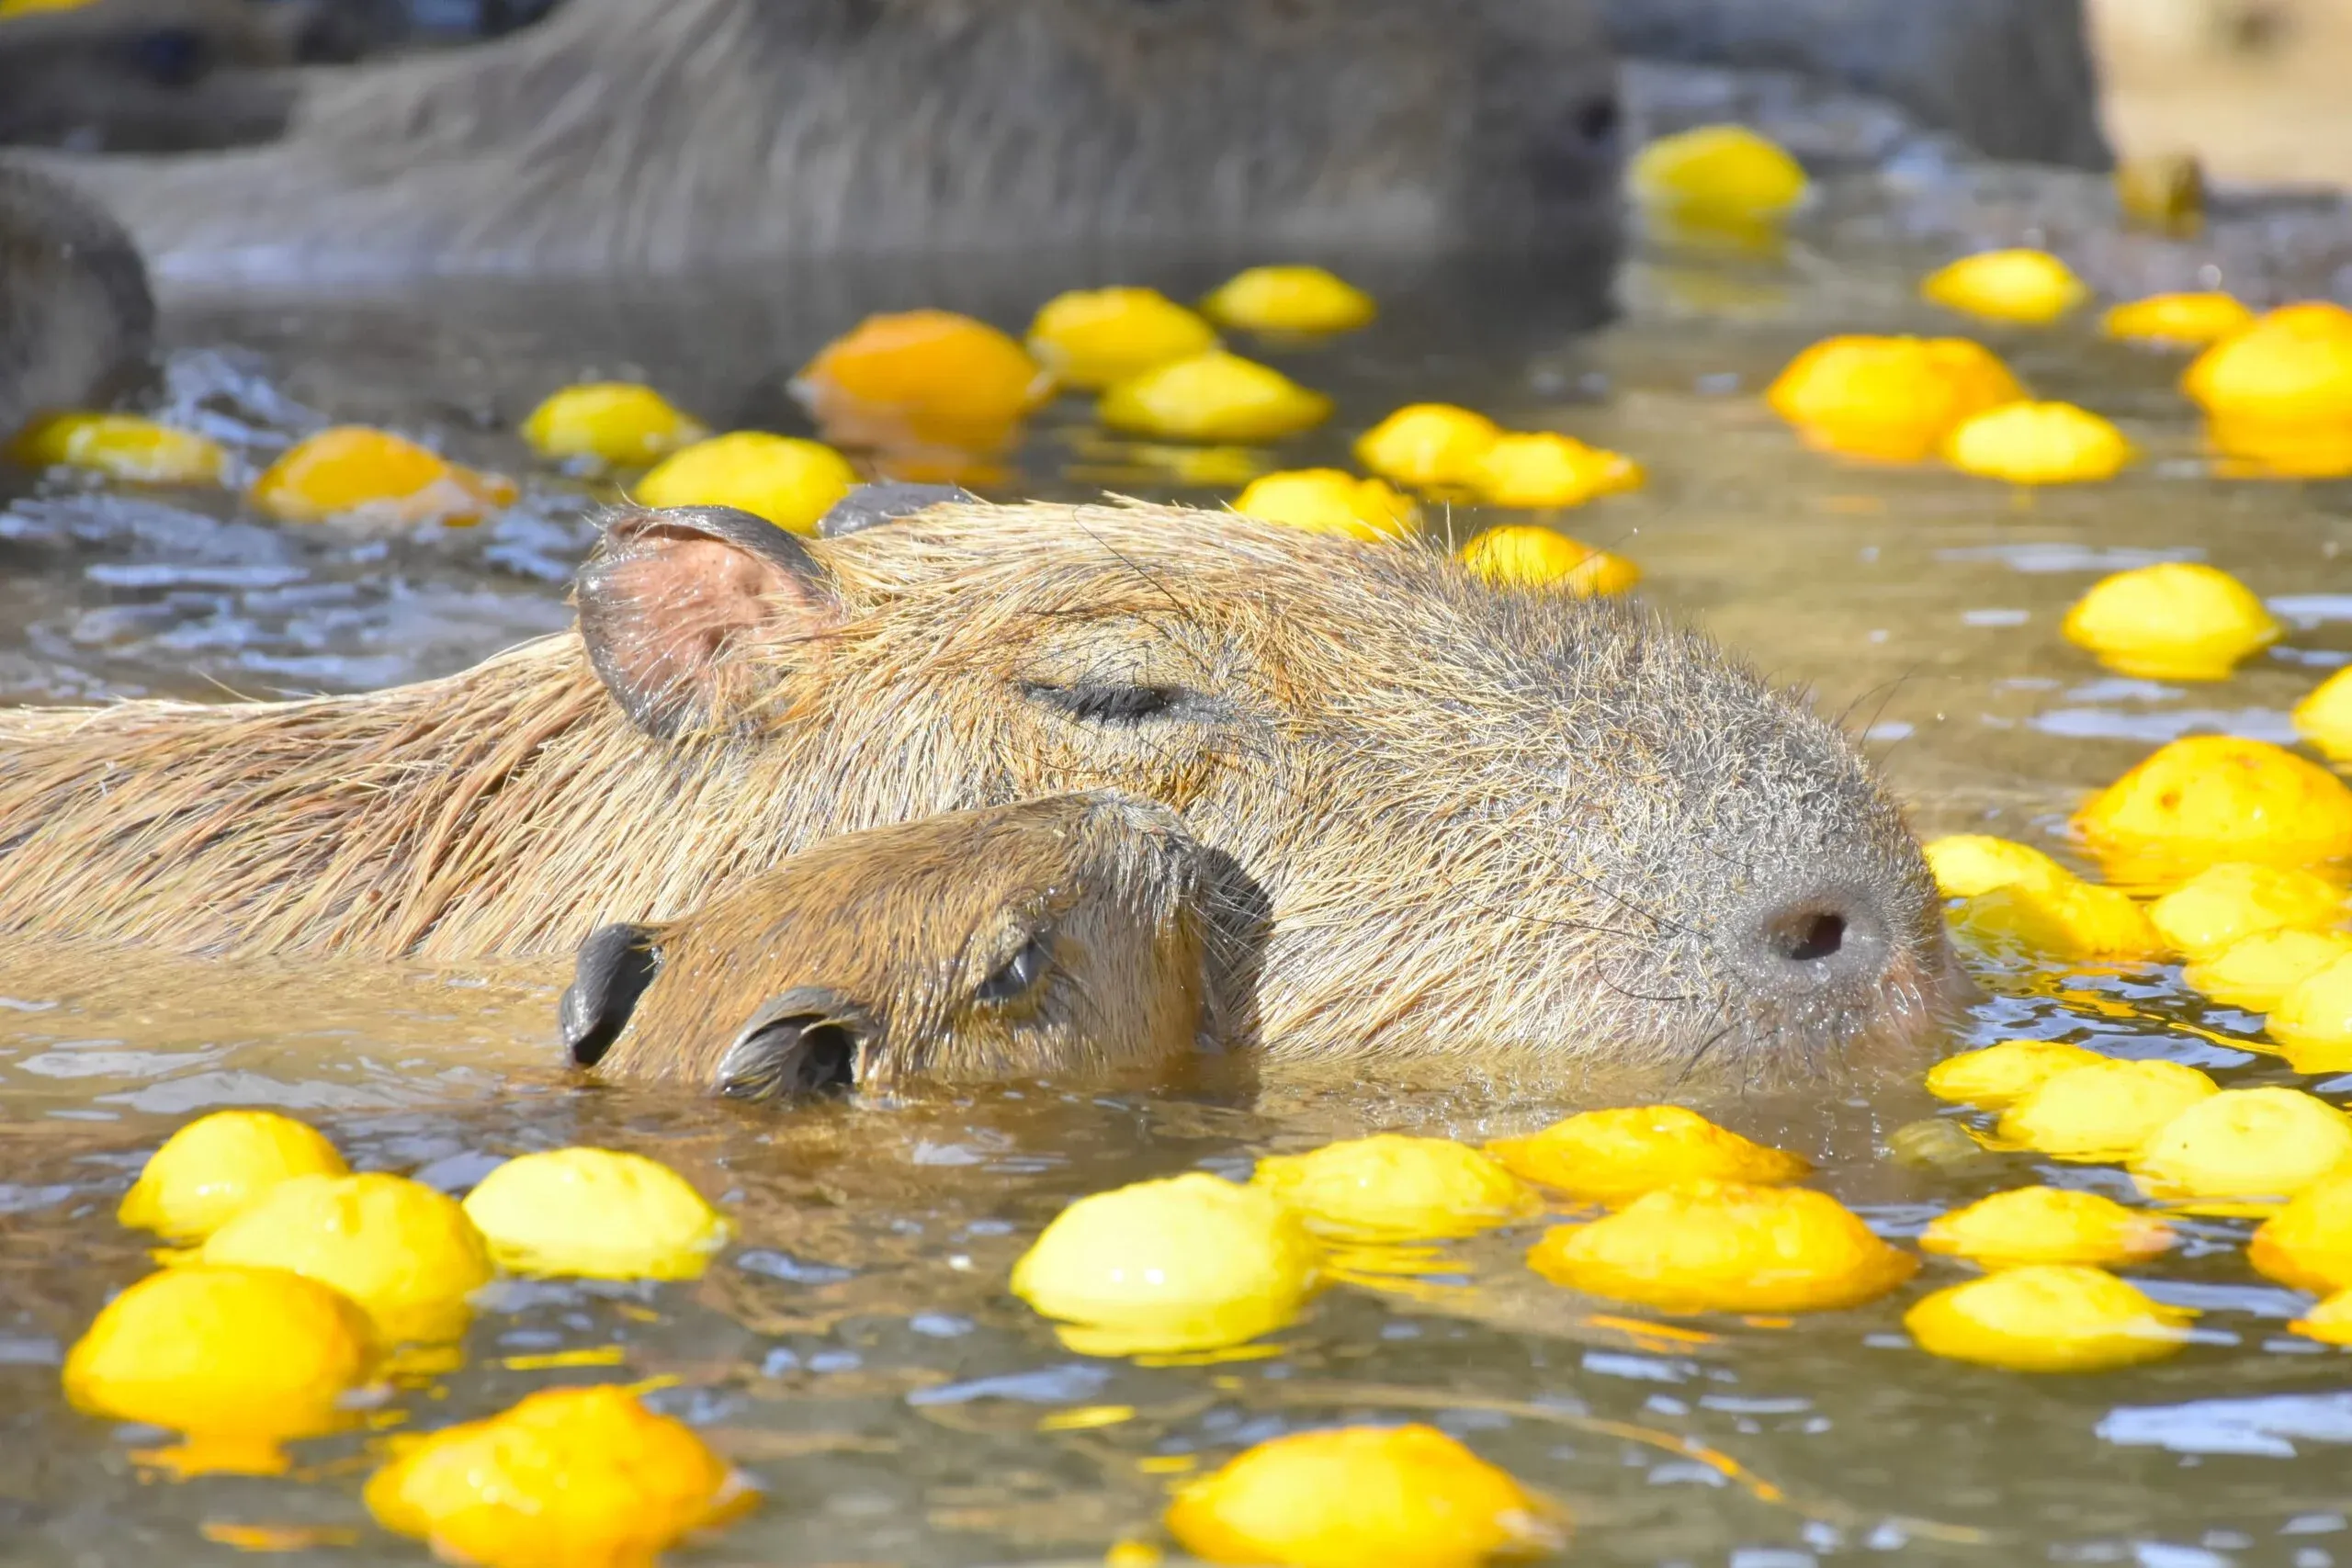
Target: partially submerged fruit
<point x="1093" y="338"/>
<point x="1614" y="1156"/>
<point x="569" y="1478"/>
<point x="1391" y="1188"/>
<point x="2047" y="1225"/>
<point x="1357" y="1497"/>
<point x="1523" y="555"/>
<point x="2028" y="286"/>
<point x="2215" y="797"/>
<point x="1305" y="300"/>
<point x="790" y="481"/>
<point x="2330" y="1322"/>
<point x="2312" y="1018"/>
<point x="2324" y="718"/>
<point x="597" y="1214"/>
<point x="2000" y="1075"/>
<point x="373" y="476"/>
<point x="1214" y="397"/>
<point x="2067" y="919"/>
<point x="1428" y="445"/>
<point x="2047" y="1317"/>
<point x="1331" y="500"/>
<point x="2038" y="444"/>
<point x="922" y="379"/>
<point x="2308" y="1244"/>
<point x="2291" y="368"/>
<point x="2177" y="321"/>
<point x="121" y="446"/>
<point x="2246" y="1143"/>
<point x="219" y="1166"/>
<point x="2107" y="1110"/>
<point x="2172" y="621"/>
<point x="1717" y="174"/>
<point x="1968" y="864"/>
<point x="617" y="424"/>
<point x="1889" y="397"/>
<point x="2223" y="905"/>
<point x="1190" y="1263"/>
<point x="2257" y="972"/>
<point x="1726" y="1247"/>
<point x="1543" y="469"/>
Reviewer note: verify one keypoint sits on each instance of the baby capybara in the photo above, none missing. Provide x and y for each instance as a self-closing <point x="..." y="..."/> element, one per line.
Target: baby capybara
<point x="1493" y="825"/>
<point x="77" y="320"/>
<point x="620" y="135"/>
<point x="1057" y="937"/>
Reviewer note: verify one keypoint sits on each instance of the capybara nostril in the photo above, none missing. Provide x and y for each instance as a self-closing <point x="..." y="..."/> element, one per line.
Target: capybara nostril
<point x="809" y="1040"/>
<point x="1819" y="938"/>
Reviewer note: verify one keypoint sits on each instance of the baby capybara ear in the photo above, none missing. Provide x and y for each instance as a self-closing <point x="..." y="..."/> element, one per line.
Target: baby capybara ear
<point x="612" y="971"/>
<point x="669" y="593"/>
<point x="870" y="506"/>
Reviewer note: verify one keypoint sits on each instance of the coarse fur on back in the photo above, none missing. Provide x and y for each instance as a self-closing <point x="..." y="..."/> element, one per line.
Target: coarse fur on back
<point x="1477" y="822"/>
<point x="623" y="136"/>
<point x="77" y="321"/>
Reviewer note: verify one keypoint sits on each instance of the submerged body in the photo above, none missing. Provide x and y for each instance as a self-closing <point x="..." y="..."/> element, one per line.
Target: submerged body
<point x="1064" y="937"/>
<point x="77" y="321"/>
<point x="1476" y="823"/>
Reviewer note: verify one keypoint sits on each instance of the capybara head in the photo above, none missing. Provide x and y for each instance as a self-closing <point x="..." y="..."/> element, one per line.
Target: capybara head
<point x="77" y="319"/>
<point x="147" y="76"/>
<point x="1480" y="821"/>
<point x="1055" y="938"/>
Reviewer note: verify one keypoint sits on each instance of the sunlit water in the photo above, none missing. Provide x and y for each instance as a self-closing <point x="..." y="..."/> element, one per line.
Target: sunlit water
<point x="857" y="1350"/>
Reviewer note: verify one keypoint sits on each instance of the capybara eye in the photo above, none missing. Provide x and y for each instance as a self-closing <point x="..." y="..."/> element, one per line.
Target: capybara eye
<point x="1598" y="121"/>
<point x="1017" y="973"/>
<point x="170" y="57"/>
<point x="1092" y="703"/>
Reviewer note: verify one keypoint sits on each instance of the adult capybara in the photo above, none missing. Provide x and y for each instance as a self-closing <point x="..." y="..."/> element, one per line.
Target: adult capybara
<point x="150" y="76"/>
<point x="619" y="135"/>
<point x="1061" y="936"/>
<point x="77" y="321"/>
<point x="1477" y="822"/>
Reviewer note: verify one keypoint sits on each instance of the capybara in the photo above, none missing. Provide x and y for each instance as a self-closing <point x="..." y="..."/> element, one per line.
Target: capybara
<point x="1477" y="822"/>
<point x="1063" y="937"/>
<point x="623" y="136"/>
<point x="77" y="320"/>
<point x="150" y="76"/>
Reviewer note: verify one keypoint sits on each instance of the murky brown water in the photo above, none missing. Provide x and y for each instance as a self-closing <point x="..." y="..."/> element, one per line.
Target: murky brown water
<point x="857" y="1349"/>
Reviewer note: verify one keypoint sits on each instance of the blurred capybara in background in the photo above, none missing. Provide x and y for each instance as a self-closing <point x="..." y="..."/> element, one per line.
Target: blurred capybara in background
<point x="77" y="320"/>
<point x="618" y="135"/>
<point x="151" y="76"/>
<point x="1057" y="937"/>
<point x="1479" y="823"/>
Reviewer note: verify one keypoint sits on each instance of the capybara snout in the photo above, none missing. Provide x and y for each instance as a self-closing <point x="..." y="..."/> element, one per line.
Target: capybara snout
<point x="1060" y="937"/>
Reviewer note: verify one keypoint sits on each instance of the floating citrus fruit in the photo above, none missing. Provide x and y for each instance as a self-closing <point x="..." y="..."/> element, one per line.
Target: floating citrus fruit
<point x="791" y="483"/>
<point x="1330" y="500"/>
<point x="219" y="1166"/>
<point x="1521" y="555"/>
<point x="1428" y="445"/>
<point x="2312" y="1018"/>
<point x="1968" y="864"/>
<point x="2324" y="718"/>
<point x="2032" y="288"/>
<point x="2000" y="1076"/>
<point x="595" y="1213"/>
<point x="121" y="446"/>
<point x="1390" y="1188"/>
<point x="2292" y="367"/>
<point x="1544" y="469"/>
<point x="1290" y="300"/>
<point x="2257" y="972"/>
<point x="2308" y="1244"/>
<point x="620" y="424"/>
<point x="373" y="476"/>
<point x="1717" y="173"/>
<point x="2107" y="1110"/>
<point x="569" y="1478"/>
<point x="1355" y="1496"/>
<point x="1725" y="1247"/>
<point x="1214" y="397"/>
<point x="1189" y="1263"/>
<point x="1093" y="338"/>
<point x="922" y="379"/>
<point x="1614" y="1156"/>
<point x="2224" y="903"/>
<point x="2217" y="797"/>
<point x="2330" y="1322"/>
<point x="1890" y="398"/>
<point x="2246" y="1143"/>
<point x="2047" y="1317"/>
<point x="402" y="1251"/>
<point x="2173" y="621"/>
<point x="2047" y="1225"/>
<point x="2185" y="321"/>
<point x="2068" y="920"/>
<point x="2038" y="444"/>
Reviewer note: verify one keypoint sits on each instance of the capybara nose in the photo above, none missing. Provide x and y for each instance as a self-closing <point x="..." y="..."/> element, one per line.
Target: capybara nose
<point x="1829" y="937"/>
<point x="810" y="1040"/>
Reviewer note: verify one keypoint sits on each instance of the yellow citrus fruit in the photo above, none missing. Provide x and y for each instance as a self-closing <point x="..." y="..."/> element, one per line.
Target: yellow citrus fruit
<point x="1214" y="397"/>
<point x="1544" y="469"/>
<point x="1889" y="397"/>
<point x="1390" y="1188"/>
<point x="621" y="424"/>
<point x="2106" y="1111"/>
<point x="1355" y="1496"/>
<point x="2246" y="1143"/>
<point x="1289" y="300"/>
<point x="238" y="1359"/>
<point x="404" y="1252"/>
<point x="1521" y="555"/>
<point x="2324" y="718"/>
<point x="1328" y="501"/>
<point x="2261" y="450"/>
<point x="2068" y="920"/>
<point x="2312" y="1018"/>
<point x="1725" y="1247"/>
<point x="1192" y="1262"/>
<point x="595" y="1213"/>
<point x="2031" y="287"/>
<point x="569" y="1478"/>
<point x="2214" y="797"/>
<point x="121" y="446"/>
<point x="2223" y="905"/>
<point x="2038" y="444"/>
<point x="217" y="1166"/>
<point x="375" y="477"/>
<point x="1093" y="338"/>
<point x="1725" y="173"/>
<point x="922" y="379"/>
<point x="2330" y="1322"/>
<point x="791" y="483"/>
<point x="2308" y="1244"/>
<point x="2047" y="1317"/>
<point x="2291" y="368"/>
<point x="2002" y="1075"/>
<point x="2184" y="321"/>
<point x="1614" y="1156"/>
<point x="2256" y="971"/>
<point x="1428" y="445"/>
<point x="1968" y="864"/>
<point x="2047" y="1225"/>
<point x="2173" y="621"/>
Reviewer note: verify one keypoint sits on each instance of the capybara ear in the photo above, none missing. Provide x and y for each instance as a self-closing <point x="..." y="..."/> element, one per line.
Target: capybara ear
<point x="808" y="1041"/>
<point x="612" y="971"/>
<point x="867" y="506"/>
<point x="669" y="591"/>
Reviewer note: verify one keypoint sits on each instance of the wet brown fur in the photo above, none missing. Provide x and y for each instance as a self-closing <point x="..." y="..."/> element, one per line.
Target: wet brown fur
<point x="1479" y="822"/>
<point x="898" y="930"/>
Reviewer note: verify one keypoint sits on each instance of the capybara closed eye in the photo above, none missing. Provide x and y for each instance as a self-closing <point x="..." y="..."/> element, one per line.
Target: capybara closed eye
<point x="1502" y="826"/>
<point x="1060" y="937"/>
